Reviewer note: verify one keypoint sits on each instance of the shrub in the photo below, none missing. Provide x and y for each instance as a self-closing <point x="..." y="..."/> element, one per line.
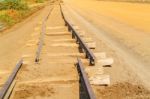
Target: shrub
<point x="7" y="19"/>
<point x="39" y="1"/>
<point x="13" y="4"/>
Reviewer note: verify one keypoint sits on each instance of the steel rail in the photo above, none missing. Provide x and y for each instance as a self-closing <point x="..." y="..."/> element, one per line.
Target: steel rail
<point x="82" y="45"/>
<point x="41" y="39"/>
<point x="84" y="80"/>
<point x="11" y="78"/>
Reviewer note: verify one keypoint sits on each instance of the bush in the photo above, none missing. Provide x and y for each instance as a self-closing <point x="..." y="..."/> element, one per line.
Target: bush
<point x="13" y="4"/>
<point x="39" y="1"/>
<point x="7" y="19"/>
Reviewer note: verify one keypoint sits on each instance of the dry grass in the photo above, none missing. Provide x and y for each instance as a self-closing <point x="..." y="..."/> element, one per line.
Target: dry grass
<point x="10" y="15"/>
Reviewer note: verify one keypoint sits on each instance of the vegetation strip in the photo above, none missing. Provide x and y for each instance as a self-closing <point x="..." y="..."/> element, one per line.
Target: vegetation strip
<point x="14" y="11"/>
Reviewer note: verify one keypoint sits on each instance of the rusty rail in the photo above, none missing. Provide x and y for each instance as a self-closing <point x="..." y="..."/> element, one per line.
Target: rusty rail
<point x="41" y="39"/>
<point x="89" y="94"/>
<point x="11" y="78"/>
<point x="82" y="45"/>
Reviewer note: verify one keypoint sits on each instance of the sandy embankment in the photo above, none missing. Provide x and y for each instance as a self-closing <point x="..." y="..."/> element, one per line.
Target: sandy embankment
<point x="121" y="30"/>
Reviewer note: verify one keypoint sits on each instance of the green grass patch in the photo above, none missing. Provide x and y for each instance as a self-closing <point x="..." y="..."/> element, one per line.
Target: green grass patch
<point x="13" y="4"/>
<point x="6" y="19"/>
<point x="14" y="11"/>
<point x="39" y="1"/>
<point x="11" y="17"/>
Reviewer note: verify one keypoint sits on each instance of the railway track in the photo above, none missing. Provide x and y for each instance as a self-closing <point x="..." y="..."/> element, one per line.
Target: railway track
<point x="84" y="82"/>
<point x="83" y="46"/>
<point x="43" y="30"/>
<point x="10" y="86"/>
<point x="7" y="88"/>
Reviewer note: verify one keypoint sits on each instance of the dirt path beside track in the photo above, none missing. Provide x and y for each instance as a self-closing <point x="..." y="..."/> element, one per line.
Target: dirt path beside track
<point x="13" y="42"/>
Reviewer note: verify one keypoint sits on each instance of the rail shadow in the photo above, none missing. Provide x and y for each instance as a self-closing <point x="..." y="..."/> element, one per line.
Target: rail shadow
<point x="82" y="90"/>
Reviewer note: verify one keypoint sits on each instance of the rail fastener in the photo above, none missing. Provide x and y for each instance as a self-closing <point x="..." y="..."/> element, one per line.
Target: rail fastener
<point x="82" y="45"/>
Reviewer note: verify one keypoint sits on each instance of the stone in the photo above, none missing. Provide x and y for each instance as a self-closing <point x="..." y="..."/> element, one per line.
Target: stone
<point x="100" y="55"/>
<point x="105" y="62"/>
<point x="100" y="80"/>
<point x="94" y="70"/>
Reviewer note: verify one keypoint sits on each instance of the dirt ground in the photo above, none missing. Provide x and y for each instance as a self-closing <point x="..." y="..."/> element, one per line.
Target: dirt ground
<point x="13" y="41"/>
<point x="55" y="77"/>
<point x="122" y="36"/>
<point x="128" y="23"/>
<point x="124" y="90"/>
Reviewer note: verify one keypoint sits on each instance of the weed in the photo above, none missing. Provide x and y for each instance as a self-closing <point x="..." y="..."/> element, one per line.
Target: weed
<point x="13" y="4"/>
<point x="39" y="1"/>
<point x="7" y="19"/>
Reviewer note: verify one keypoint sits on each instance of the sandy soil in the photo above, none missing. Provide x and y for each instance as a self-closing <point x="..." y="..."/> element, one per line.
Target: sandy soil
<point x="125" y="22"/>
<point x="123" y="91"/>
<point x="55" y="76"/>
<point x="124" y="40"/>
<point x="13" y="41"/>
